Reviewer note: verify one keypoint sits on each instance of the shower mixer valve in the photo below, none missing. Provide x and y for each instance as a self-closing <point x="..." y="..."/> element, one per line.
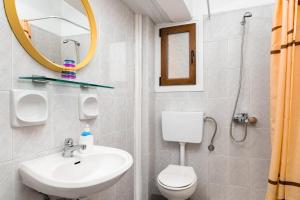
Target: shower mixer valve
<point x="243" y="118"/>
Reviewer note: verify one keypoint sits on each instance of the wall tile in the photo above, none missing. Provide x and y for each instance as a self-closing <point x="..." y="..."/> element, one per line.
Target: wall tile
<point x="238" y="171"/>
<point x="6" y="181"/>
<point x="215" y="54"/>
<point x="31" y="140"/>
<point x="260" y="143"/>
<point x="218" y="170"/>
<point x="253" y="57"/>
<point x="223" y="26"/>
<point x="221" y="83"/>
<point x="65" y="118"/>
<point x="201" y="192"/>
<point x="220" y="109"/>
<point x="237" y="193"/>
<point x="257" y="194"/>
<point x="113" y="114"/>
<point x="199" y="163"/>
<point x="163" y="162"/>
<point x="216" y="192"/>
<point x="234" y="52"/>
<point x="5" y="52"/>
<point x="6" y="133"/>
<point x="260" y="110"/>
<point x="259" y="169"/>
<point x="261" y="22"/>
<point x="260" y="82"/>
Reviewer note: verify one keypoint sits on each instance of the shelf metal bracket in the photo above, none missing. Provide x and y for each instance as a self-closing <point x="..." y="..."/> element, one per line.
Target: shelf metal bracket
<point x="40" y="79"/>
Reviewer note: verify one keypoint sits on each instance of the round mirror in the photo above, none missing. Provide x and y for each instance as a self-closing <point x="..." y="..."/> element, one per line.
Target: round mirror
<point x="56" y="33"/>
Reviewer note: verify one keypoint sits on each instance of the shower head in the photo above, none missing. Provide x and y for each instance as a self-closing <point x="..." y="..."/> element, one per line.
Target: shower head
<point x="246" y="15"/>
<point x="70" y="40"/>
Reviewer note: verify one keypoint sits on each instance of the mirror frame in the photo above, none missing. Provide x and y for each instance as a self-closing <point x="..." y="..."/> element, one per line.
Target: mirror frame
<point x="13" y="19"/>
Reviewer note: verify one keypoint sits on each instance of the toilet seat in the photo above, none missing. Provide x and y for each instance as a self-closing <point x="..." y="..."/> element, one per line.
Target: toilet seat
<point x="175" y="177"/>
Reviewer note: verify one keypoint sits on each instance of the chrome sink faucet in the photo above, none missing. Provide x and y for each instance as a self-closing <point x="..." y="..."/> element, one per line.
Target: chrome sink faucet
<point x="69" y="148"/>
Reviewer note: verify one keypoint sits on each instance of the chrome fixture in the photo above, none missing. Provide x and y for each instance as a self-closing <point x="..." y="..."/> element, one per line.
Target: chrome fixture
<point x="208" y="8"/>
<point x="77" y="45"/>
<point x="57" y="17"/>
<point x="211" y="146"/>
<point x="69" y="148"/>
<point x="246" y="15"/>
<point x="241" y="118"/>
<point x="70" y="40"/>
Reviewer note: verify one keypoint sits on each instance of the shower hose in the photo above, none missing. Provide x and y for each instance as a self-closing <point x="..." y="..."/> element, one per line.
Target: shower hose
<point x="239" y="92"/>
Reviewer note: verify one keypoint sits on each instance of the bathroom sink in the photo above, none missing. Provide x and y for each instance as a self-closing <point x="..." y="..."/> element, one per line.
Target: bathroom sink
<point x="78" y="176"/>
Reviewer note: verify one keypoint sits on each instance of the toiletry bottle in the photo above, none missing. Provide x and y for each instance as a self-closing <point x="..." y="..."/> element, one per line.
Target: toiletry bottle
<point x="86" y="138"/>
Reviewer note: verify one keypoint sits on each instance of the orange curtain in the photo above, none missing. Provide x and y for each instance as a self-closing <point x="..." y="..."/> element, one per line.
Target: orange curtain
<point x="284" y="174"/>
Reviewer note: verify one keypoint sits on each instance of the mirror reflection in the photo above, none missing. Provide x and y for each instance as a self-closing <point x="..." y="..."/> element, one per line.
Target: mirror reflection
<point x="58" y="29"/>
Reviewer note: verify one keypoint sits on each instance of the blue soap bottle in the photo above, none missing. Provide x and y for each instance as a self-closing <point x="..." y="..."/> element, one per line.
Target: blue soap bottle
<point x="86" y="138"/>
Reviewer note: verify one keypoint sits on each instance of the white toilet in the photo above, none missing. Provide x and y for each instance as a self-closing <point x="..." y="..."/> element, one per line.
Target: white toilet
<point x="179" y="182"/>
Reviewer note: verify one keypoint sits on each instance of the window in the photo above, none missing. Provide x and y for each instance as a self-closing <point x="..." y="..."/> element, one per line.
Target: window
<point x="178" y="55"/>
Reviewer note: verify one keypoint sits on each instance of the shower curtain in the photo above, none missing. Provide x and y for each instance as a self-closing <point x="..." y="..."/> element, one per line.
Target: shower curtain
<point x="284" y="174"/>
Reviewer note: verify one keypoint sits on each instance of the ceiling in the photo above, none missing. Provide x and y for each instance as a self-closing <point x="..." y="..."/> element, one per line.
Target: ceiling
<point x="77" y="5"/>
<point x="165" y="11"/>
<point x="162" y="11"/>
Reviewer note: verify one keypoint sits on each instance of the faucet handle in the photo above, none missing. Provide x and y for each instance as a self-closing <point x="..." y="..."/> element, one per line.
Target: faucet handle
<point x="69" y="142"/>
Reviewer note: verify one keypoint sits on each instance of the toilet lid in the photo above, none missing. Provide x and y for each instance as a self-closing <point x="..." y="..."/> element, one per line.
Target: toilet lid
<point x="176" y="176"/>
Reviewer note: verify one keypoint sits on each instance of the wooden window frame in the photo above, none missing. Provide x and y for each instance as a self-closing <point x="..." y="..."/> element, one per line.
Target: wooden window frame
<point x="164" y="33"/>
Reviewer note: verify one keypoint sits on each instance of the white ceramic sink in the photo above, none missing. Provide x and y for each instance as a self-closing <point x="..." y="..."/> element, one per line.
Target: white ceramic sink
<point x="76" y="177"/>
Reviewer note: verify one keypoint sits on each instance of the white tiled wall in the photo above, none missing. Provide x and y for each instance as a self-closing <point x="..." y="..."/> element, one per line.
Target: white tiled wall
<point x="232" y="171"/>
<point x="114" y="126"/>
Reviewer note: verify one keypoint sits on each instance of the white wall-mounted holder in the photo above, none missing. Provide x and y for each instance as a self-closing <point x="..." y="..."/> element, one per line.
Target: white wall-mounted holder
<point x="28" y="108"/>
<point x="88" y="106"/>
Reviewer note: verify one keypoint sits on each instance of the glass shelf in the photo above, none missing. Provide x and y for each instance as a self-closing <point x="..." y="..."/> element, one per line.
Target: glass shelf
<point x="44" y="79"/>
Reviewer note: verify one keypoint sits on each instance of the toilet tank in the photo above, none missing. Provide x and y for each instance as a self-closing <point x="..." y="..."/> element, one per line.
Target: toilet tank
<point x="182" y="126"/>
